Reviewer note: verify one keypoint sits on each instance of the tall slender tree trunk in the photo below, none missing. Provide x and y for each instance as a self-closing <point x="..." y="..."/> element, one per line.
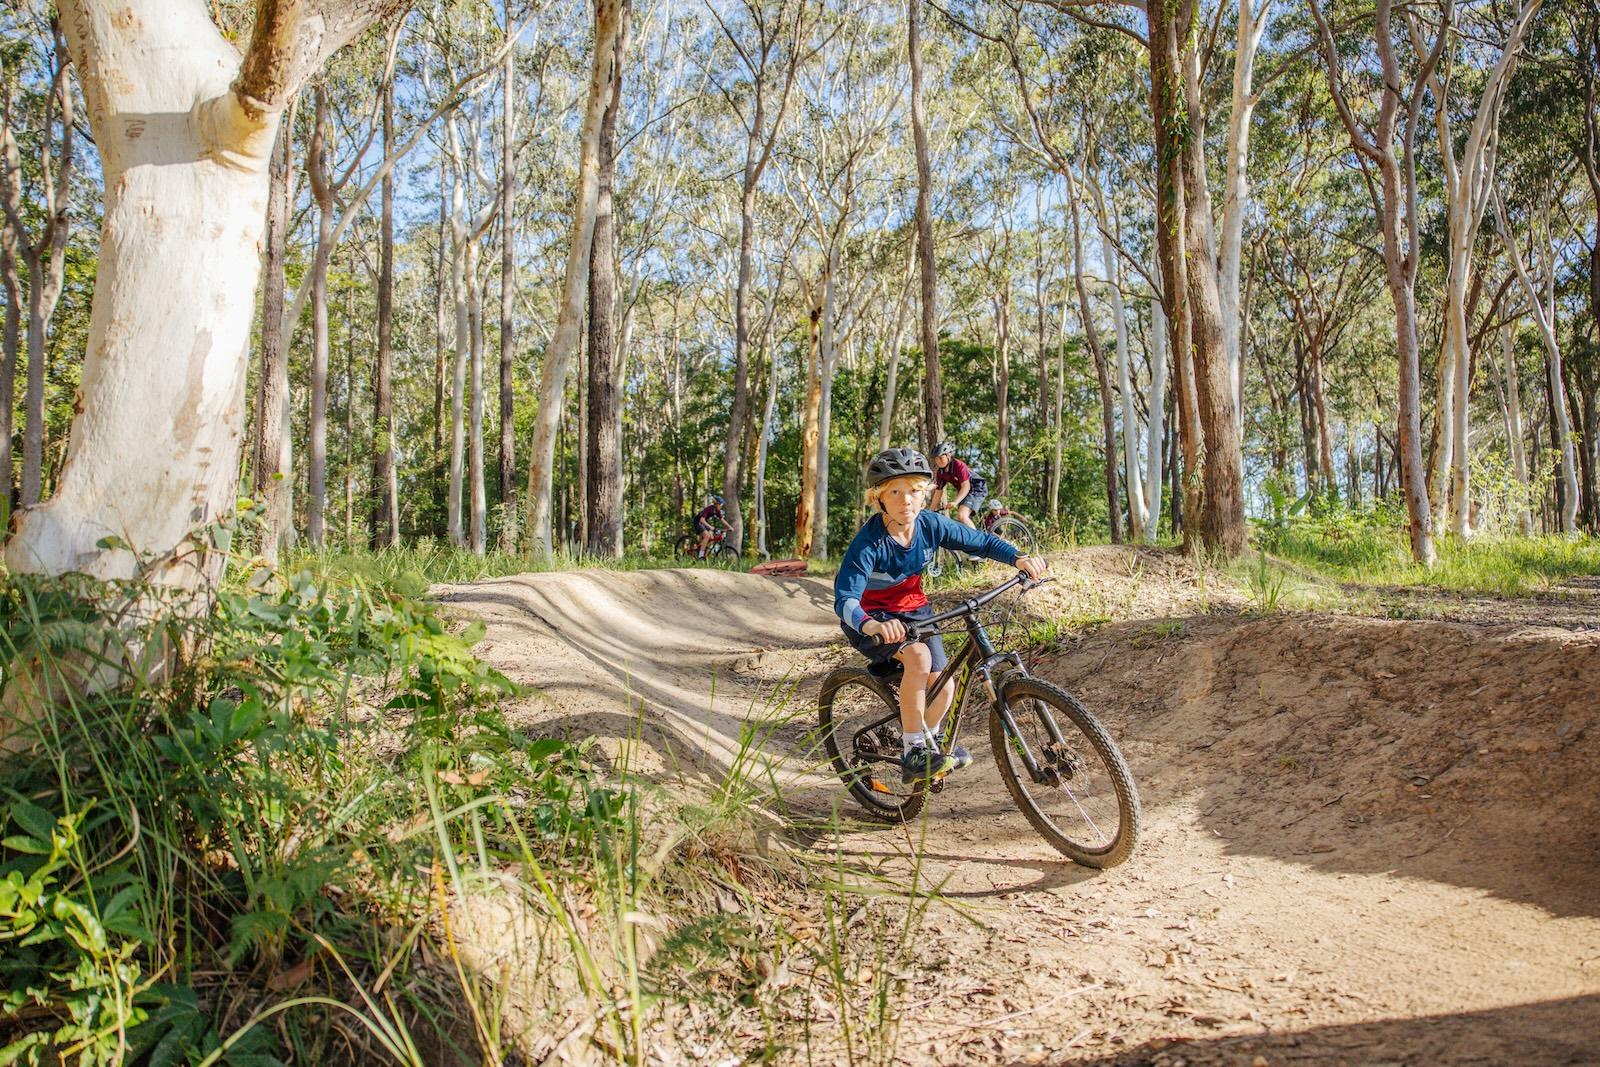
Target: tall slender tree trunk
<point x="827" y="358"/>
<point x="1002" y="391"/>
<point x="1222" y="524"/>
<point x="1060" y="397"/>
<point x="932" y="381"/>
<point x="609" y="17"/>
<point x="603" y="498"/>
<point x="1252" y="23"/>
<point x="478" y="510"/>
<point x="385" y="521"/>
<point x="892" y="355"/>
<point x="46" y="260"/>
<point x="1544" y="319"/>
<point x="767" y="414"/>
<point x="459" y="283"/>
<point x="271" y="465"/>
<point x="805" y="512"/>
<point x="441" y="289"/>
<point x="1156" y="431"/>
<point x="1165" y="101"/>
<point x="317" y="418"/>
<point x="1092" y="335"/>
<point x="1397" y="192"/>
<point x="508" y="291"/>
<point x="1132" y="480"/>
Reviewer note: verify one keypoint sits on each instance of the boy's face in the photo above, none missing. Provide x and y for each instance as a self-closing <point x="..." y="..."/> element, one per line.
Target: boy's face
<point x="902" y="498"/>
<point x="941" y="462"/>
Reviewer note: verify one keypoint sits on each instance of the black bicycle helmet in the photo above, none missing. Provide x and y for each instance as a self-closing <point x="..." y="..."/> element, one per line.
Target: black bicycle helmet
<point x="944" y="448"/>
<point x="897" y="463"/>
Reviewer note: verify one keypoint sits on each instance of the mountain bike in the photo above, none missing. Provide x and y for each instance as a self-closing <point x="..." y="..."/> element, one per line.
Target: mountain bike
<point x="1057" y="760"/>
<point x="998" y="520"/>
<point x="686" y="547"/>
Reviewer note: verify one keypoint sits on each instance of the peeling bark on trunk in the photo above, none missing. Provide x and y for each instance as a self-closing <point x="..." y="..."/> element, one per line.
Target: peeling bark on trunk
<point x="1222" y="524"/>
<point x="185" y="207"/>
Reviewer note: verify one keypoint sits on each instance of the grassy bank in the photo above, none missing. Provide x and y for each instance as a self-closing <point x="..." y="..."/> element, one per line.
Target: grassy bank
<point x="311" y="837"/>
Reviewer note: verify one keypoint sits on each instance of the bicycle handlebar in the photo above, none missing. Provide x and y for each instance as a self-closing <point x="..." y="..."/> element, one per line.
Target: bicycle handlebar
<point x="916" y="631"/>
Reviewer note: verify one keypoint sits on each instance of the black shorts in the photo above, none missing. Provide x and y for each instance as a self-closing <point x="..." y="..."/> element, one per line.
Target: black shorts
<point x="882" y="655"/>
<point x="701" y="526"/>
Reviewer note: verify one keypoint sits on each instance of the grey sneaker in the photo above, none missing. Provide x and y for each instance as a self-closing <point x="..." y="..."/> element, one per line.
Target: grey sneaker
<point x="962" y="757"/>
<point x="923" y="764"/>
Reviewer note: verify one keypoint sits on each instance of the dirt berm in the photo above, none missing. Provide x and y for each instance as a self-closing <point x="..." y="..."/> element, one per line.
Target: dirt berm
<point x="1367" y="841"/>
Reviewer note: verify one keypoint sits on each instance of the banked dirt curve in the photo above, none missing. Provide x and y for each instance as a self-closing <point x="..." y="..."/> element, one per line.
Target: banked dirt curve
<point x="1366" y="841"/>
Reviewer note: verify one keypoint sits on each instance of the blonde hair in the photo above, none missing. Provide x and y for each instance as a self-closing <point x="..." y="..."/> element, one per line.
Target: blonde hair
<point x="874" y="493"/>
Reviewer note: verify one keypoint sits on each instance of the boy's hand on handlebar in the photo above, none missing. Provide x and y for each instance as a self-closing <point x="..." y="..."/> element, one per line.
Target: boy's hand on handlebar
<point x="1032" y="566"/>
<point x="888" y="631"/>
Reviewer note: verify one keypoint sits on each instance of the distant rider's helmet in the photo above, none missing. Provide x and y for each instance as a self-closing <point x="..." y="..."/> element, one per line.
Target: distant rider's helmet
<point x="716" y="498"/>
<point x="944" y="448"/>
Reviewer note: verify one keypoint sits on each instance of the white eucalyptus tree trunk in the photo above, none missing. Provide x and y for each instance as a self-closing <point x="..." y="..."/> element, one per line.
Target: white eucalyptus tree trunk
<point x="1545" y="318"/>
<point x="459" y="284"/>
<point x="1468" y="181"/>
<point x="1138" y="517"/>
<point x="1514" y="434"/>
<point x="1155" y="432"/>
<point x="184" y="129"/>
<point x="1236" y="192"/>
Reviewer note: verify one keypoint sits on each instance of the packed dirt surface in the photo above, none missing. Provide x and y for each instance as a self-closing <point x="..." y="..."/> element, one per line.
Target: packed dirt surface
<point x="1365" y="841"/>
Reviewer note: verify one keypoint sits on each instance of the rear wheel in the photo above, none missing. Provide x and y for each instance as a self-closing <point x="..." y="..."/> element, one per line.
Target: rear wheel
<point x="859" y="719"/>
<point x="1083" y="800"/>
<point x="684" y="546"/>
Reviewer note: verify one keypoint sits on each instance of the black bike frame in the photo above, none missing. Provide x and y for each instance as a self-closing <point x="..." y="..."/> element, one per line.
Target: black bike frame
<point x="979" y="655"/>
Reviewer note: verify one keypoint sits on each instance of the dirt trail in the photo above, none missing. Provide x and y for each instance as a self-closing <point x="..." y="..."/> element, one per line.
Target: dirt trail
<point x="1366" y="841"/>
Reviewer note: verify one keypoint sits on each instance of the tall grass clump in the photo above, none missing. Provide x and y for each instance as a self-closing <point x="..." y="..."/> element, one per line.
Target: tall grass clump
<point x="294" y="824"/>
<point x="1368" y="545"/>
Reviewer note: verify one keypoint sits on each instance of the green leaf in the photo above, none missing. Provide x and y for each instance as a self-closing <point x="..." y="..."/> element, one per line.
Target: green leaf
<point x="26" y="845"/>
<point x="35" y="820"/>
<point x="112" y="542"/>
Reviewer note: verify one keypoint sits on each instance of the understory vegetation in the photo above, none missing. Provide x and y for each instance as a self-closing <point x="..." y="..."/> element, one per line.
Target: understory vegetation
<point x="312" y="835"/>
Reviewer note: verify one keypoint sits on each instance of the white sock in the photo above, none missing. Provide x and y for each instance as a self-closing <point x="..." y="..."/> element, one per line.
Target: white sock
<point x="912" y="739"/>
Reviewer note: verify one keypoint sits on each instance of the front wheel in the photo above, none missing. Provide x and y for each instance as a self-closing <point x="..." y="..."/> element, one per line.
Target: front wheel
<point x="721" y="550"/>
<point x="1019" y="533"/>
<point x="858" y="716"/>
<point x="1078" y="792"/>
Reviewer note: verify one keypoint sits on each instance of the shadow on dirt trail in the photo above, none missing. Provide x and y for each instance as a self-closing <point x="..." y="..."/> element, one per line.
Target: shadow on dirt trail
<point x="1551" y="1032"/>
<point x="1445" y="751"/>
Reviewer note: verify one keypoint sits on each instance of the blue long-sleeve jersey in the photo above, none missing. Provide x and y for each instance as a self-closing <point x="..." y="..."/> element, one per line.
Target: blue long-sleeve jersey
<point x="880" y="574"/>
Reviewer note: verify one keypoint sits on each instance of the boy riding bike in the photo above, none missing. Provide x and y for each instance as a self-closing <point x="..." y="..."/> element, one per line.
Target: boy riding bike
<point x="970" y="487"/>
<point x="879" y="587"/>
<point x="712" y="512"/>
